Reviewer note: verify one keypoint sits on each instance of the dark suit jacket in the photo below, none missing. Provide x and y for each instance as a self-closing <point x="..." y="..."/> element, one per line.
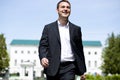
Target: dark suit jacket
<point x="50" y="47"/>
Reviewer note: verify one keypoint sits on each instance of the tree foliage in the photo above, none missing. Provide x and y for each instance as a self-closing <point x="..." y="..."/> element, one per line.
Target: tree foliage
<point x="111" y="55"/>
<point x="4" y="58"/>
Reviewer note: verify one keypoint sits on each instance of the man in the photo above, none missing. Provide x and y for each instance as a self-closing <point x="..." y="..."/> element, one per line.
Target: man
<point x="60" y="49"/>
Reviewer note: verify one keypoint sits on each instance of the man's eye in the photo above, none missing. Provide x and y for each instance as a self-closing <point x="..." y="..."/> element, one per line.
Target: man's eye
<point x="63" y="7"/>
<point x="68" y="7"/>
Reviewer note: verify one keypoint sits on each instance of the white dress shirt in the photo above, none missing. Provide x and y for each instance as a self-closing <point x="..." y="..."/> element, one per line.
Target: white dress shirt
<point x="66" y="52"/>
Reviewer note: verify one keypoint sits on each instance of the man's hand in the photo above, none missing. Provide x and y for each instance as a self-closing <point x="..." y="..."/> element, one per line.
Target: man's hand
<point x="82" y="77"/>
<point x="44" y="62"/>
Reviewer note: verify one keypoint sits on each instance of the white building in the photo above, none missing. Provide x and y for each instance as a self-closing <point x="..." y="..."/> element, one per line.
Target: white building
<point x="93" y="54"/>
<point x="25" y="62"/>
<point x="24" y="59"/>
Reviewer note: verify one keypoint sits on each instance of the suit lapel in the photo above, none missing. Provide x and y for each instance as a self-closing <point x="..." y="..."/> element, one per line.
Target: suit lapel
<point x="70" y="30"/>
<point x="56" y="30"/>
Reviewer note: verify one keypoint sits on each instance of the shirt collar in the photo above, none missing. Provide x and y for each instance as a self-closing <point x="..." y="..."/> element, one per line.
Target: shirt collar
<point x="67" y="25"/>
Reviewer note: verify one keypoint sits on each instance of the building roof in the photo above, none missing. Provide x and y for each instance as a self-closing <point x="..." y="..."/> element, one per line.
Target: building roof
<point x="92" y="43"/>
<point x="36" y="42"/>
<point x="24" y="42"/>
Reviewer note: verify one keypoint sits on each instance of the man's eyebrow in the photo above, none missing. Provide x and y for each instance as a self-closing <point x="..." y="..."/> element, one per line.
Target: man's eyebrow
<point x="65" y="6"/>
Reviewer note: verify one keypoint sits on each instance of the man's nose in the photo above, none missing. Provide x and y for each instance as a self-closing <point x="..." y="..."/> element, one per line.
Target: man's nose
<point x="65" y="8"/>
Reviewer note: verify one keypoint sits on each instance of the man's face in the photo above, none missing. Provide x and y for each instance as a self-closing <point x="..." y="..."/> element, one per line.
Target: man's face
<point x="64" y="10"/>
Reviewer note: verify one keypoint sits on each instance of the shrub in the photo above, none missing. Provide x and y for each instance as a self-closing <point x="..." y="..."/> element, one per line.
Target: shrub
<point x="99" y="77"/>
<point x="15" y="74"/>
<point x="112" y="77"/>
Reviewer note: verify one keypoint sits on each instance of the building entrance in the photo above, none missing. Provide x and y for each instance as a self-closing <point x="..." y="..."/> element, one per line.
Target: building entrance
<point x="27" y="72"/>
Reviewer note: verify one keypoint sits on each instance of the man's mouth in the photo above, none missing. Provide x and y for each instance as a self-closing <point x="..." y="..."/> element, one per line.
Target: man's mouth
<point x="65" y="12"/>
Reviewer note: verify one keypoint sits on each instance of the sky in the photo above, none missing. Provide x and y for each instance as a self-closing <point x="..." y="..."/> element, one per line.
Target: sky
<point x="25" y="19"/>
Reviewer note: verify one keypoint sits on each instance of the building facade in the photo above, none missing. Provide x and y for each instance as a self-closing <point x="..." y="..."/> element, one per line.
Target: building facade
<point x="25" y="62"/>
<point x="93" y="56"/>
<point x="24" y="59"/>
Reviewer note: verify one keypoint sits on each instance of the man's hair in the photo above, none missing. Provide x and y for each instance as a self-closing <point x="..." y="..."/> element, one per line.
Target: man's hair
<point x="62" y="1"/>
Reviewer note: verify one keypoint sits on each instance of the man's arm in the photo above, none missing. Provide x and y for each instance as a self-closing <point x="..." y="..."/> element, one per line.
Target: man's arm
<point x="43" y="48"/>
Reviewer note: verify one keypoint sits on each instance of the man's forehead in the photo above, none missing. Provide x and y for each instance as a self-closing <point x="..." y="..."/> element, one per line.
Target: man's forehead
<point x="64" y="3"/>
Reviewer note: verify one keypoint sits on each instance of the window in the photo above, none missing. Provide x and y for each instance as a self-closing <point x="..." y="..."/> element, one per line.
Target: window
<point x="89" y="53"/>
<point x="89" y="63"/>
<point x="28" y="52"/>
<point x="28" y="60"/>
<point x="22" y="51"/>
<point x="15" y="63"/>
<point x="35" y="52"/>
<point x="95" y="63"/>
<point x="95" y="53"/>
<point x="21" y="61"/>
<point x="15" y="51"/>
<point x="34" y="62"/>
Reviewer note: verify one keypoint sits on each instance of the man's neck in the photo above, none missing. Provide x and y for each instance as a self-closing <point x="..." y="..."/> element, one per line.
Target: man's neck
<point x="63" y="22"/>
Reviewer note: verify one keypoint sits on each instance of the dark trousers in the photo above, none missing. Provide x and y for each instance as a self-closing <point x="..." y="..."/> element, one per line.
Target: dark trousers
<point x="65" y="72"/>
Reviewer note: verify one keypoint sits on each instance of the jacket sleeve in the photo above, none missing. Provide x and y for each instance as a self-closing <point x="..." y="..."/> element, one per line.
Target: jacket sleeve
<point x="80" y="48"/>
<point x="79" y="42"/>
<point x="43" y="44"/>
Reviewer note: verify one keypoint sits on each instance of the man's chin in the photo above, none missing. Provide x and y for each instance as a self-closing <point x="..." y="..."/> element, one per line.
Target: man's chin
<point x="65" y="16"/>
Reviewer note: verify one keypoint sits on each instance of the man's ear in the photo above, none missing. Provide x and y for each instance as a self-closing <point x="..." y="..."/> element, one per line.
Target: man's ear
<point x="57" y="10"/>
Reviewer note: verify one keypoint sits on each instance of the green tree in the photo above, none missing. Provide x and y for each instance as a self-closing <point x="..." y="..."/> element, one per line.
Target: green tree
<point x="4" y="57"/>
<point x="111" y="55"/>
